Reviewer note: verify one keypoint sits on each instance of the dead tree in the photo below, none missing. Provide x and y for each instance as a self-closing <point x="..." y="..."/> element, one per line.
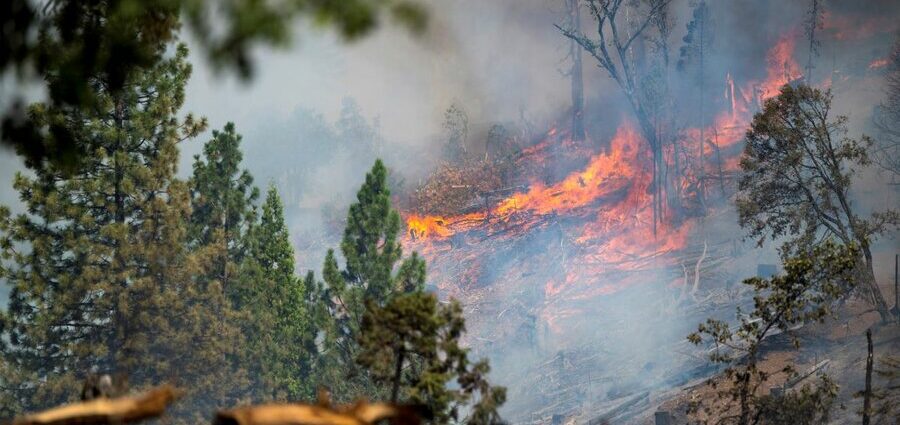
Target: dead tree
<point x="697" y="43"/>
<point x="814" y="21"/>
<point x="886" y="154"/>
<point x="867" y="396"/>
<point x="613" y="51"/>
<point x="573" y="14"/>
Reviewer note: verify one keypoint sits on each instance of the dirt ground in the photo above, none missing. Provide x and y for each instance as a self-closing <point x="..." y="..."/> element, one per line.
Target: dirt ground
<point x="839" y="340"/>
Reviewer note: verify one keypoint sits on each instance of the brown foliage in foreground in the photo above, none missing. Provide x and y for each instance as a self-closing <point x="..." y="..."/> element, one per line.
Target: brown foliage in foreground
<point x="99" y="411"/>
<point x="153" y="403"/>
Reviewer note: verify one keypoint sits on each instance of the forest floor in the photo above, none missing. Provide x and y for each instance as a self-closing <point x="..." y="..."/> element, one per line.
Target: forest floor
<point x="840" y="340"/>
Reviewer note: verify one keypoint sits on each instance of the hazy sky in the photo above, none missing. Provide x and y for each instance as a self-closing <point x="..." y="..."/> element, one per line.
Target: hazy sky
<point x="495" y="57"/>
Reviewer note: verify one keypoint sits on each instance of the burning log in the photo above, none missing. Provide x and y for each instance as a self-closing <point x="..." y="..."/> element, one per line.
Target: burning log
<point x="361" y="413"/>
<point x="103" y="411"/>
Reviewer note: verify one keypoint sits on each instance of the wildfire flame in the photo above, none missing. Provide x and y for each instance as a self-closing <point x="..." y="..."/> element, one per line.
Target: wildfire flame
<point x="606" y="205"/>
<point x="605" y="174"/>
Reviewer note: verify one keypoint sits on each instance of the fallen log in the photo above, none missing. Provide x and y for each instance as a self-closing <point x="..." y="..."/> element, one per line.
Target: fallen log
<point x="622" y="411"/>
<point x="809" y="372"/>
<point x="103" y="411"/>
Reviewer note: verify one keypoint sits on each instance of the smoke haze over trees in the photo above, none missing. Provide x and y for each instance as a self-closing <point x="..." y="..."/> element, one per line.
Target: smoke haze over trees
<point x="583" y="223"/>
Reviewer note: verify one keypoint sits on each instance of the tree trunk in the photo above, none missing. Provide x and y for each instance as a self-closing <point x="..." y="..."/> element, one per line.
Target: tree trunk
<point x="117" y="342"/>
<point x="398" y="371"/>
<point x="719" y="163"/>
<point x="868" y="269"/>
<point x="868" y="274"/>
<point x="744" y="418"/>
<point x="867" y="398"/>
<point x="575" y="74"/>
<point x="648" y="130"/>
<point x="701" y="166"/>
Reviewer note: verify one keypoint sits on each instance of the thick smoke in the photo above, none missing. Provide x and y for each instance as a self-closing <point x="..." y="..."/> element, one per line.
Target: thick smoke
<point x="316" y="117"/>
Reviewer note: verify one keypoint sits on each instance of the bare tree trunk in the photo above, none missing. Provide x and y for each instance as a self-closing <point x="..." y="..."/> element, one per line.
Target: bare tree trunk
<point x="897" y="285"/>
<point x="701" y="166"/>
<point x="575" y="74"/>
<point x="398" y="372"/>
<point x="811" y="34"/>
<point x="875" y="294"/>
<point x="719" y="162"/>
<point x="744" y="393"/>
<point x="868" y="269"/>
<point x="867" y="398"/>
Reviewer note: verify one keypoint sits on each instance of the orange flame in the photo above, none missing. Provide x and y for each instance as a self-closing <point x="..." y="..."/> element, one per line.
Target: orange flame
<point x="610" y="197"/>
<point x="878" y="63"/>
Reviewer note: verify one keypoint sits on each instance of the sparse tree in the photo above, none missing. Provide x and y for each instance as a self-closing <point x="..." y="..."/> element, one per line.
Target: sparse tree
<point x="806" y="292"/>
<point x="456" y="129"/>
<point x="356" y="135"/>
<point x="798" y="167"/>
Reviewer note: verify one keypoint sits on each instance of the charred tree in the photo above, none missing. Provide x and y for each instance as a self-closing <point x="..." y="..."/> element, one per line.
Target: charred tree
<point x="456" y="128"/>
<point x="867" y="396"/>
<point x="613" y="51"/>
<point x="697" y="43"/>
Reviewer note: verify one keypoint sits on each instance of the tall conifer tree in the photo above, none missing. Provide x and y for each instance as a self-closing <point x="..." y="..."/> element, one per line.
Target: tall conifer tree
<point x="102" y="280"/>
<point x="223" y="196"/>
<point x="279" y="329"/>
<point x="371" y="250"/>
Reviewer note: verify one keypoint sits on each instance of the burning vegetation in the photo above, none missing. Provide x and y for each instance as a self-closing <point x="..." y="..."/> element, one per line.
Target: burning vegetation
<point x="679" y="247"/>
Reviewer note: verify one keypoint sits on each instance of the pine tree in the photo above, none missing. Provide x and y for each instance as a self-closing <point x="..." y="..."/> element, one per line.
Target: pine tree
<point x="412" y="345"/>
<point x="223" y="197"/>
<point x="370" y="250"/>
<point x="101" y="277"/>
<point x="370" y="244"/>
<point x="278" y="325"/>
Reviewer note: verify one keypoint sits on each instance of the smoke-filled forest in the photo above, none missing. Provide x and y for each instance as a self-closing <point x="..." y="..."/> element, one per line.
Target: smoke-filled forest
<point x="542" y="212"/>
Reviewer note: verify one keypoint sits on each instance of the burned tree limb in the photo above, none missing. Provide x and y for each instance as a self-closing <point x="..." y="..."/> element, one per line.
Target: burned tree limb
<point x="697" y="272"/>
<point x="103" y="411"/>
